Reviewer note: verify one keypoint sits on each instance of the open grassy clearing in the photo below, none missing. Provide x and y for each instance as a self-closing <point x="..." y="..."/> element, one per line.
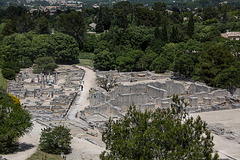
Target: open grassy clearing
<point x="86" y="55"/>
<point x="39" y="155"/>
<point x="86" y="62"/>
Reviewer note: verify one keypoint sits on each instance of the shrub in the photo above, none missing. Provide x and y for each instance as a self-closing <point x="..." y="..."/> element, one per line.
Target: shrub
<point x="56" y="140"/>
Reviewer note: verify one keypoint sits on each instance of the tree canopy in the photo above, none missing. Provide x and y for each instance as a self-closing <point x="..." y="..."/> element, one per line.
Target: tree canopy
<point x="45" y="65"/>
<point x="160" y="134"/>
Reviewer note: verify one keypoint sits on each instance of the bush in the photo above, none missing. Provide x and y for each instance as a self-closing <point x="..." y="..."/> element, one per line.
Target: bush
<point x="56" y="140"/>
<point x="14" y="122"/>
<point x="8" y="73"/>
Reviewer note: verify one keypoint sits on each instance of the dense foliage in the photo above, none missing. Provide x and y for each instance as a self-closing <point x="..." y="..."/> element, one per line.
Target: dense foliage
<point x="14" y="122"/>
<point x="44" y="65"/>
<point x="56" y="140"/>
<point x="160" y="36"/>
<point x="8" y="73"/>
<point x="160" y="134"/>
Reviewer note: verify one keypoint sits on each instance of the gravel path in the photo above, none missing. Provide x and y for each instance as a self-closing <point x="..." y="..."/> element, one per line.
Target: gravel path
<point x="28" y="144"/>
<point x="82" y="102"/>
<point x="83" y="149"/>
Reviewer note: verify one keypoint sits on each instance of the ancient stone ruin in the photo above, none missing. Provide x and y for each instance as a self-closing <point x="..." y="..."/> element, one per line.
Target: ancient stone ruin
<point x="47" y="96"/>
<point x="147" y="90"/>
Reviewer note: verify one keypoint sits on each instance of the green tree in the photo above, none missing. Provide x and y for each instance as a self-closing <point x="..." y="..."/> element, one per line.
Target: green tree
<point x="146" y="60"/>
<point x="104" y="60"/>
<point x="159" y="6"/>
<point x="44" y="64"/>
<point x="164" y="34"/>
<point x="66" y="49"/>
<point x="10" y="27"/>
<point x="72" y="24"/>
<point x="160" y="64"/>
<point x="14" y="122"/>
<point x="100" y="26"/>
<point x="144" y="16"/>
<point x="43" y="45"/>
<point x="205" y="33"/>
<point x="190" y="26"/>
<point x="213" y="62"/>
<point x="160" y="134"/>
<point x="209" y="13"/>
<point x="137" y="37"/>
<point x="42" y="25"/>
<point x="228" y="78"/>
<point x="184" y="65"/>
<point x="56" y="140"/>
<point x="175" y="36"/>
<point x="8" y="73"/>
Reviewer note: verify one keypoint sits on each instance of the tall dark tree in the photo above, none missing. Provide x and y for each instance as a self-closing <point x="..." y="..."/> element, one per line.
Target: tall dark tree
<point x="145" y="16"/>
<point x="72" y="24"/>
<point x="175" y="36"/>
<point x="164" y="34"/>
<point x="100" y="26"/>
<point x="42" y="25"/>
<point x="107" y="17"/>
<point x="209" y="13"/>
<point x="157" y="33"/>
<point x="190" y="27"/>
<point x="159" y="6"/>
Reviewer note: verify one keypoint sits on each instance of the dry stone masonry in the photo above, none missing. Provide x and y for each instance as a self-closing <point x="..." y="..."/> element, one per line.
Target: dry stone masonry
<point x="147" y="90"/>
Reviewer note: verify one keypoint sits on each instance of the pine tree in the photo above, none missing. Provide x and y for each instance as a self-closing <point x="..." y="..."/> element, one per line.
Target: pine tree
<point x="160" y="134"/>
<point x="175" y="36"/>
<point x="157" y="33"/>
<point x="100" y="26"/>
<point x="164" y="34"/>
<point x="190" y="28"/>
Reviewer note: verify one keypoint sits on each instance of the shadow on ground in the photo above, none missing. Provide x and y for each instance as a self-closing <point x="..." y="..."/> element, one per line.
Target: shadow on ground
<point x="24" y="146"/>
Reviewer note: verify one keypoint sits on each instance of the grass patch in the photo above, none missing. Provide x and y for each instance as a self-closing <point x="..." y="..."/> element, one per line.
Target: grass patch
<point x="86" y="55"/>
<point x="86" y="62"/>
<point x="3" y="82"/>
<point x="40" y="155"/>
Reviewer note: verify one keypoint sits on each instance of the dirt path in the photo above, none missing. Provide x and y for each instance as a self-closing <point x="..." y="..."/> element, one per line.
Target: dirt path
<point x="82" y="102"/>
<point x="82" y="149"/>
<point x="28" y="144"/>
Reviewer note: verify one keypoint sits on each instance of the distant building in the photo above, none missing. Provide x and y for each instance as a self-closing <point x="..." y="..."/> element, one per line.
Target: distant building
<point x="92" y="26"/>
<point x="231" y="35"/>
<point x="95" y="6"/>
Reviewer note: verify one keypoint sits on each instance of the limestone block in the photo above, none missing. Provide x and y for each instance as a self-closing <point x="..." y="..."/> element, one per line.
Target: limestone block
<point x="159" y="85"/>
<point x="155" y="92"/>
<point x="237" y="92"/>
<point x="174" y="88"/>
<point x="207" y="100"/>
<point x="220" y="99"/>
<point x="201" y="95"/>
<point x="165" y="105"/>
<point x="197" y="88"/>
<point x="219" y="92"/>
<point x="193" y="101"/>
